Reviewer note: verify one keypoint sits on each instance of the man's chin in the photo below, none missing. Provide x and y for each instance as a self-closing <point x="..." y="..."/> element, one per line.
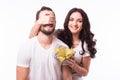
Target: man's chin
<point x="47" y="32"/>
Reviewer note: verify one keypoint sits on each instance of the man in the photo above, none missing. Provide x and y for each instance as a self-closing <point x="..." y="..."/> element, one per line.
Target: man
<point x="36" y="58"/>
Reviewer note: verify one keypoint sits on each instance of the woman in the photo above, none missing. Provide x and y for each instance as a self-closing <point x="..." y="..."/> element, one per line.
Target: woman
<point x="77" y="34"/>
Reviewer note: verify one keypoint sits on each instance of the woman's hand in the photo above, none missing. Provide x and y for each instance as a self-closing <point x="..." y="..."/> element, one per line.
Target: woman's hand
<point x="71" y="62"/>
<point x="82" y="70"/>
<point x="41" y="22"/>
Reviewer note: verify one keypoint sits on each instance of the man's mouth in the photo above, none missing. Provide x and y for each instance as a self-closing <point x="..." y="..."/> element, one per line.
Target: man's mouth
<point x="45" y="25"/>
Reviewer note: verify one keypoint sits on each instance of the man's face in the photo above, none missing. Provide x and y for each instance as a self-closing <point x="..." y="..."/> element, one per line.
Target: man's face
<point x="48" y="23"/>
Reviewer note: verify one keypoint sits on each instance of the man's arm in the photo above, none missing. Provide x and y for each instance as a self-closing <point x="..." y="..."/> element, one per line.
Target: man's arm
<point x="22" y="73"/>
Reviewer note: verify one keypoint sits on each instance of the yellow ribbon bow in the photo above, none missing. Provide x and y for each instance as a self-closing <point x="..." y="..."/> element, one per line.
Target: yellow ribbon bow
<point x="64" y="53"/>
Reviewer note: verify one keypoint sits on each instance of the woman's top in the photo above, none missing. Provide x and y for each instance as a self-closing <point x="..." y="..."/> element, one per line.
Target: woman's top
<point x="78" y="58"/>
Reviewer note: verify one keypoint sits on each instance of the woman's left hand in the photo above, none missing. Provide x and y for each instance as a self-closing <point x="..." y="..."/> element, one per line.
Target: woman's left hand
<point x="71" y="62"/>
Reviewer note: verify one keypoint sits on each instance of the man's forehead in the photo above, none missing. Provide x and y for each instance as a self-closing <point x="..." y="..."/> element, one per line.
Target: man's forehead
<point x="47" y="13"/>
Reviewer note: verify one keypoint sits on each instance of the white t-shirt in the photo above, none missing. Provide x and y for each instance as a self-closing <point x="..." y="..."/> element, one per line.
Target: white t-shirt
<point x="78" y="58"/>
<point x="42" y="63"/>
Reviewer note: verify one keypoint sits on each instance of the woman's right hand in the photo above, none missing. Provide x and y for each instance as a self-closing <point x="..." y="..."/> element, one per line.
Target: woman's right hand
<point x="40" y="22"/>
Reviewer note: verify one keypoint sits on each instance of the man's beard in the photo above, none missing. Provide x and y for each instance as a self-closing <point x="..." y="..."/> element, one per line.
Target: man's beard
<point x="47" y="32"/>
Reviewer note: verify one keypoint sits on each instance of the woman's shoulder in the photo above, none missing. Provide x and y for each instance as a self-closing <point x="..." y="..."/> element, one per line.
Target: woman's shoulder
<point x="58" y="32"/>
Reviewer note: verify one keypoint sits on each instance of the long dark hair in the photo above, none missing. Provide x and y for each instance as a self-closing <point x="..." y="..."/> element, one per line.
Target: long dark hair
<point x="85" y="35"/>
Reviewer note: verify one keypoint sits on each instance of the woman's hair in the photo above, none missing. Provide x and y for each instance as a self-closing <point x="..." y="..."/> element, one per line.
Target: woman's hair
<point x="85" y="35"/>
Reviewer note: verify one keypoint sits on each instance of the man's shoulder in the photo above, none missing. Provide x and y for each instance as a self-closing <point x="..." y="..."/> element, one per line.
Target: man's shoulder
<point x="59" y="42"/>
<point x="29" y="42"/>
<point x="56" y="39"/>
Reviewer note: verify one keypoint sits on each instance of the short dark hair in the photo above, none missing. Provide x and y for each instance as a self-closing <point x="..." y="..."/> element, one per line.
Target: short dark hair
<point x="42" y="9"/>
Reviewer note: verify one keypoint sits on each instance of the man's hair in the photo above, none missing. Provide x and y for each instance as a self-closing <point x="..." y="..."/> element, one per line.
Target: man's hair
<point x="42" y="9"/>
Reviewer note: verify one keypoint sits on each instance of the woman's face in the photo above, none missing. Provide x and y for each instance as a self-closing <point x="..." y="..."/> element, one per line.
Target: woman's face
<point x="75" y="23"/>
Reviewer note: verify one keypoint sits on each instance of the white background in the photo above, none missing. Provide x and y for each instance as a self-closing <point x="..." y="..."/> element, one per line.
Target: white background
<point x="17" y="18"/>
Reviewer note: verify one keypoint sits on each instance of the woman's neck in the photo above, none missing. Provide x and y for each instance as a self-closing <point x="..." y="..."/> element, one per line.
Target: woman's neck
<point x="76" y="40"/>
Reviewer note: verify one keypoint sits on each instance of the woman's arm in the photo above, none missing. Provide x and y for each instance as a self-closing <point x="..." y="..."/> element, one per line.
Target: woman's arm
<point x="34" y="30"/>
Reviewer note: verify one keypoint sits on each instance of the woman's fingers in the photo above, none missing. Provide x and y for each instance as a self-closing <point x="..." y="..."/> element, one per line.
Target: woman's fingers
<point x="71" y="63"/>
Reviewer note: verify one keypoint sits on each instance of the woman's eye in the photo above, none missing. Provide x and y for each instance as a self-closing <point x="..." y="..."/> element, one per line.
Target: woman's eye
<point x="80" y="21"/>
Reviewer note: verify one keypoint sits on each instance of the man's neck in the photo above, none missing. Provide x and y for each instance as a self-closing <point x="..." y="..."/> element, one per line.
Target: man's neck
<point x="45" y="40"/>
